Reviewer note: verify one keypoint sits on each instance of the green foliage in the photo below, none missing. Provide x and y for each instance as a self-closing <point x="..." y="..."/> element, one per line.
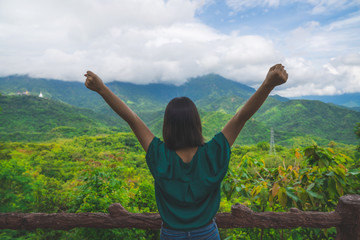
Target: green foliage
<point x="99" y="189"/>
<point x="299" y="185"/>
<point x="357" y="132"/>
<point x="16" y="187"/>
<point x="87" y="174"/>
<point x="144" y="198"/>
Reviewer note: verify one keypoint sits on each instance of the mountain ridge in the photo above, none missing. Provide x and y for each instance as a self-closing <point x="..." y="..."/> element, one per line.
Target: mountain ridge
<point x="217" y="99"/>
<point x="75" y="93"/>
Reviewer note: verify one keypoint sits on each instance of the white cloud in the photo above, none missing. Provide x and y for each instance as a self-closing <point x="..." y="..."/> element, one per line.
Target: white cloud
<point x="326" y="54"/>
<point x="144" y="41"/>
<point x="340" y="75"/>
<point x="307" y="79"/>
<point x="348" y="68"/>
<point x="139" y="41"/>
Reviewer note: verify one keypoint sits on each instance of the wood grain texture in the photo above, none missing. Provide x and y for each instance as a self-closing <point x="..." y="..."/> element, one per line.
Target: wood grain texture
<point x="346" y="218"/>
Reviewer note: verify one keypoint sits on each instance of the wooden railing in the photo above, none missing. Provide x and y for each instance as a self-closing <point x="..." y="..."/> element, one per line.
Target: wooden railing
<point x="346" y="219"/>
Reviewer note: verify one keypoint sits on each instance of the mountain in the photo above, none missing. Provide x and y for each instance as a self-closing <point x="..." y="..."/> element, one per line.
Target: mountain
<point x="30" y="118"/>
<point x="150" y="97"/>
<point x="74" y="93"/>
<point x="349" y="100"/>
<point x="312" y="118"/>
<point x="216" y="97"/>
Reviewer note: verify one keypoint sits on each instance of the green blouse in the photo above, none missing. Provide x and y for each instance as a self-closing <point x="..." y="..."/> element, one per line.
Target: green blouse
<point x="188" y="194"/>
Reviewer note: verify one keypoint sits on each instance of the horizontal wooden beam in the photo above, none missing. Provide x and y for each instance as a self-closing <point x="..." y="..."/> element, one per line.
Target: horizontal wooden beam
<point x="118" y="217"/>
<point x="346" y="217"/>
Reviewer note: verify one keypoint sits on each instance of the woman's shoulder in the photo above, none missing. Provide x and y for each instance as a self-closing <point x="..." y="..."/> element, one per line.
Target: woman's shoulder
<point x="158" y="146"/>
<point x="218" y="139"/>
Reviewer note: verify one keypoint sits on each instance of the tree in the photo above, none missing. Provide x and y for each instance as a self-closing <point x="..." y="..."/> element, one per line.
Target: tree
<point x="357" y="132"/>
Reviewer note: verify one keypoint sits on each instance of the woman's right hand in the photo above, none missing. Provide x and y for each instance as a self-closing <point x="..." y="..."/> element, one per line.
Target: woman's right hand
<point x="142" y="132"/>
<point x="93" y="82"/>
<point x="277" y="75"/>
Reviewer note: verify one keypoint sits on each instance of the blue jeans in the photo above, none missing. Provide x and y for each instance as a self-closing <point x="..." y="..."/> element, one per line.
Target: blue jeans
<point x="209" y="232"/>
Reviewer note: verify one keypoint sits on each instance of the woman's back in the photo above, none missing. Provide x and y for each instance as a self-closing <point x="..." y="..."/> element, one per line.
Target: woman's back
<point x="188" y="193"/>
<point x="187" y="154"/>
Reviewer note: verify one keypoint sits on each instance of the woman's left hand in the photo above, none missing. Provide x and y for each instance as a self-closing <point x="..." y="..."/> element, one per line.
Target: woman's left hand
<point x="93" y="82"/>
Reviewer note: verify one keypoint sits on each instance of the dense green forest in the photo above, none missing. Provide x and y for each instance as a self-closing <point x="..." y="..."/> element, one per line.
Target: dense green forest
<point x="296" y="123"/>
<point x="68" y="152"/>
<point x="88" y="173"/>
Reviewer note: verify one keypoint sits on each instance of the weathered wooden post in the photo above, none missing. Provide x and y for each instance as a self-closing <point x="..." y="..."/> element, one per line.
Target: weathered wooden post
<point x="349" y="210"/>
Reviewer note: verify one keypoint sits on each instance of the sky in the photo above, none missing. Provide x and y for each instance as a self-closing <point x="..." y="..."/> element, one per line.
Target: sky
<point x="170" y="41"/>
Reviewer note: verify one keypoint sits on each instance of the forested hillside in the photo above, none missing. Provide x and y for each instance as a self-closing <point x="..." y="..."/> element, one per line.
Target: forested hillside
<point x="295" y="122"/>
<point x="311" y="118"/>
<point x="30" y="118"/>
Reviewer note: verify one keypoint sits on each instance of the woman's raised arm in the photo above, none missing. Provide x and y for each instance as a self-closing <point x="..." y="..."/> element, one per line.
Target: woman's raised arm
<point x="276" y="76"/>
<point x="142" y="132"/>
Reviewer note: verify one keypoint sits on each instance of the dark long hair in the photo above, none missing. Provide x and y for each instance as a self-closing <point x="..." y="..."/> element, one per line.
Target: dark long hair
<point x="182" y="125"/>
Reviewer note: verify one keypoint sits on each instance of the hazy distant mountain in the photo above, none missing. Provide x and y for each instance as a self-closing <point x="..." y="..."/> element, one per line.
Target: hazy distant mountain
<point x="349" y="100"/>
<point x="217" y="98"/>
<point x="149" y="97"/>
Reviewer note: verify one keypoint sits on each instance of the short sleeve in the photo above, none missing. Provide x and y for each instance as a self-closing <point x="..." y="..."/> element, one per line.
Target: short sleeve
<point x="152" y="154"/>
<point x="218" y="156"/>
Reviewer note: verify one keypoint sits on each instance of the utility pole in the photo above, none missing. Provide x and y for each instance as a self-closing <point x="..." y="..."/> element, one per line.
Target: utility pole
<point x="272" y="143"/>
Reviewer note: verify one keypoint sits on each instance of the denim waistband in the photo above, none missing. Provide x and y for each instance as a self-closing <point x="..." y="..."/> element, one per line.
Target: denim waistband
<point x="209" y="231"/>
<point x="163" y="225"/>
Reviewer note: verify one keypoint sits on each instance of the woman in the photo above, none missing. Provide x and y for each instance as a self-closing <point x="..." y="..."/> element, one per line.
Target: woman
<point x="187" y="171"/>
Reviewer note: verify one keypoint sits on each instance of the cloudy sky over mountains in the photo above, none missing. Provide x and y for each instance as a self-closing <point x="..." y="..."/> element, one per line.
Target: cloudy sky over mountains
<point x="144" y="41"/>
